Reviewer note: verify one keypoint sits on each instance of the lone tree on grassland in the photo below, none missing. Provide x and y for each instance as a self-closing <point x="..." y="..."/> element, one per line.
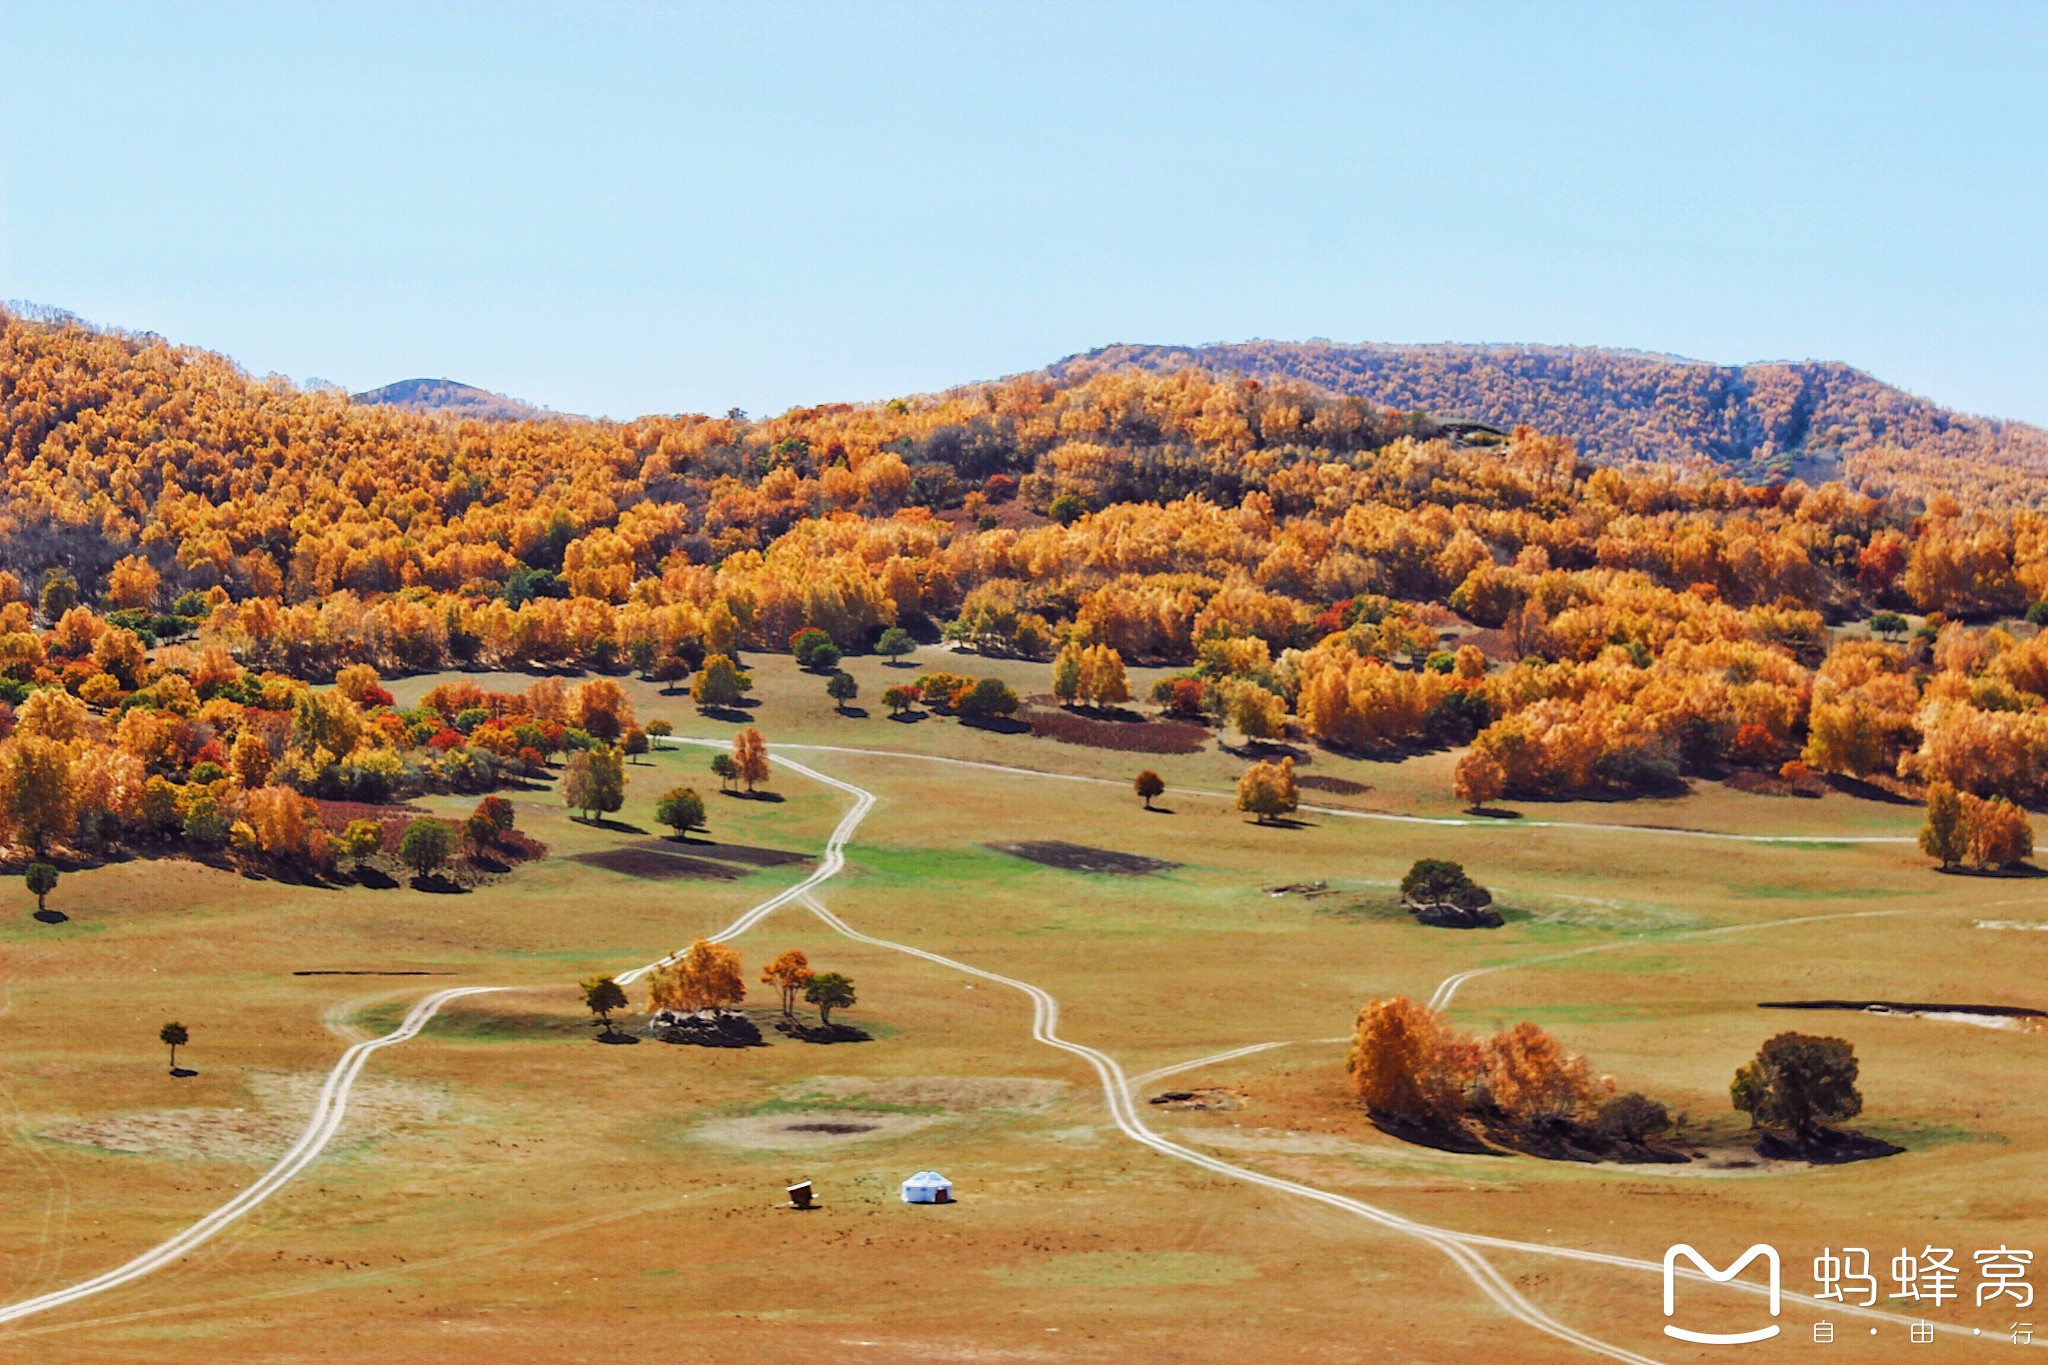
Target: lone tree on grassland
<point x="1267" y="790"/>
<point x="1149" y="786"/>
<point x="595" y="781"/>
<point x="602" y="995"/>
<point x="720" y="684"/>
<point x="789" y="974"/>
<point x="425" y="846"/>
<point x="750" y="756"/>
<point x="176" y="1036"/>
<point x="829" y="991"/>
<point x="841" y="688"/>
<point x="681" y="809"/>
<point x="1434" y="883"/>
<point x="42" y="880"/>
<point x="1798" y="1081"/>
<point x="725" y="770"/>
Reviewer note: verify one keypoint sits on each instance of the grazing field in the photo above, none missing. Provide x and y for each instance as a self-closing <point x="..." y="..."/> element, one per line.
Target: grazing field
<point x="504" y="1187"/>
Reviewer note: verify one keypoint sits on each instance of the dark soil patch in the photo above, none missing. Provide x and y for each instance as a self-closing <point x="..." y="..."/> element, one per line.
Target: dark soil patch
<point x="1209" y="1098"/>
<point x="337" y="814"/>
<point x="1080" y="858"/>
<point x="649" y="865"/>
<point x="1336" y="786"/>
<point x="1128" y="736"/>
<point x="1770" y="784"/>
<point x="1826" y="1147"/>
<point x="1905" y="1007"/>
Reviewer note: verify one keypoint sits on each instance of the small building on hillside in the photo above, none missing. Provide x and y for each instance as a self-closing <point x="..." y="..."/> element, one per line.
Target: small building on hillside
<point x="927" y="1187"/>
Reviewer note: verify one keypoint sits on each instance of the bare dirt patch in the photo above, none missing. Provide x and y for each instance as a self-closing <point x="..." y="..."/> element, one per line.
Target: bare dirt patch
<point x="260" y="1134"/>
<point x="1336" y="786"/>
<point x="959" y="1094"/>
<point x="1081" y="858"/>
<point x="807" y="1132"/>
<point x="653" y="866"/>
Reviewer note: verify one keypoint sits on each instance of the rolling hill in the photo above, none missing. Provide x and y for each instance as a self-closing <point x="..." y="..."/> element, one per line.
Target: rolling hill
<point x="447" y="396"/>
<point x="1777" y="418"/>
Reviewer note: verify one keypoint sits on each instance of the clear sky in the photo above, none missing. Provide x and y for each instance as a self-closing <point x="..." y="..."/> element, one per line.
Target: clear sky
<point x="617" y="209"/>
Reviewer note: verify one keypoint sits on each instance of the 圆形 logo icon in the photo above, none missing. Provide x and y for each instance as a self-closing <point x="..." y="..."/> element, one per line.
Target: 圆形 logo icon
<point x="1770" y="1257"/>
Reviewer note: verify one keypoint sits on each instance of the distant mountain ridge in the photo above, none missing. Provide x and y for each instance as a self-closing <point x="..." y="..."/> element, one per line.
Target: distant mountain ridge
<point x="460" y="400"/>
<point x="1761" y="420"/>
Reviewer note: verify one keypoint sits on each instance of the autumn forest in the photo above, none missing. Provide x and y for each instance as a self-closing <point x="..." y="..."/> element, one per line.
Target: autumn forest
<point x="189" y="553"/>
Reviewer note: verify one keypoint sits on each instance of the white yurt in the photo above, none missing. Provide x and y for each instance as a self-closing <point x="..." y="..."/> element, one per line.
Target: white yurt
<point x="927" y="1187"/>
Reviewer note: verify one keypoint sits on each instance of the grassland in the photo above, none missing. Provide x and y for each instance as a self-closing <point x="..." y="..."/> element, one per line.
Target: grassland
<point x="509" y="1189"/>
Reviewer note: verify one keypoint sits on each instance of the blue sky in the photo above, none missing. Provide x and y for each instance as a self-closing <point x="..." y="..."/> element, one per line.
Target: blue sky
<point x="618" y="209"/>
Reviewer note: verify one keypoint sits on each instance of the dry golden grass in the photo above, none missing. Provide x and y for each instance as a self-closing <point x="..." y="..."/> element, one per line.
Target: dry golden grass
<point x="511" y="1190"/>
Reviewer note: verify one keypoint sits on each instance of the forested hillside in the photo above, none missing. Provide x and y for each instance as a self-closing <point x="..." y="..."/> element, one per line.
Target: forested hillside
<point x="1621" y="405"/>
<point x="183" y="548"/>
<point x="447" y="396"/>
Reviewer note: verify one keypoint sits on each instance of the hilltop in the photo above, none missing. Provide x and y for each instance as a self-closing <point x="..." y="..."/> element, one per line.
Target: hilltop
<point x="459" y="400"/>
<point x="1761" y="420"/>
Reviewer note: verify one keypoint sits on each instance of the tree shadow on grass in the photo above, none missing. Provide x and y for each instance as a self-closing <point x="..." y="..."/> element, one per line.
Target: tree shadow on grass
<point x="615" y="1037"/>
<point x="732" y="715"/>
<point x="1440" y="1138"/>
<point x="909" y="717"/>
<point x="376" y="879"/>
<point x="181" y="1072"/>
<point x="1868" y="791"/>
<point x="436" y="884"/>
<point x="1002" y="725"/>
<point x="1157" y="810"/>
<point x="852" y="712"/>
<point x="1266" y="751"/>
<point x="52" y="916"/>
<point x="2017" y="871"/>
<point x="755" y="795"/>
<point x="1283" y="822"/>
<point x="615" y="826"/>
<point x="1493" y="813"/>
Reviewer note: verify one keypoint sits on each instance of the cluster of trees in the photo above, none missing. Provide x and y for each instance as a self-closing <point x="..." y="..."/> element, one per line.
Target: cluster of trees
<point x="1992" y="834"/>
<point x="711" y="976"/>
<point x="1089" y="675"/>
<point x="1300" y="550"/>
<point x="1409" y="1065"/>
<point x="207" y="754"/>
<point x="954" y="694"/>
